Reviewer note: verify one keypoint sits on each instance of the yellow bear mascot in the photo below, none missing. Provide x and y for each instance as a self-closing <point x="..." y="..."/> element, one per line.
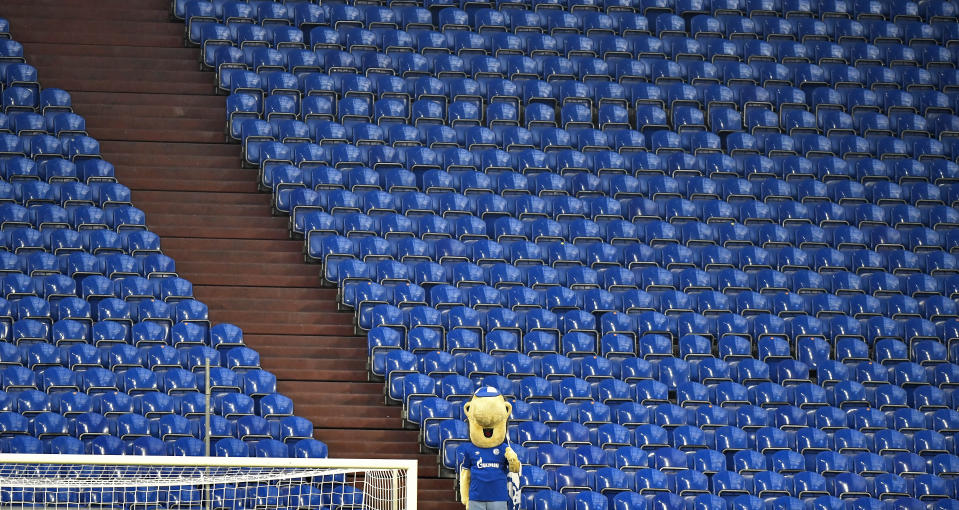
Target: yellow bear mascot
<point x="487" y="461"/>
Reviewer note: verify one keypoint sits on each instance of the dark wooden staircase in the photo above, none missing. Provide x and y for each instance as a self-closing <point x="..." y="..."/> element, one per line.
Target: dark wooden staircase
<point x="160" y="123"/>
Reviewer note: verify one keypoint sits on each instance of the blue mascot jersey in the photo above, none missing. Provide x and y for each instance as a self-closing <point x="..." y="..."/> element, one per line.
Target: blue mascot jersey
<point x="488" y="468"/>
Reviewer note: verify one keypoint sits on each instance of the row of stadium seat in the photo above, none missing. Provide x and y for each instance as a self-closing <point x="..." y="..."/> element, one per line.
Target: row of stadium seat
<point x="688" y="123"/>
<point x="651" y="447"/>
<point x="291" y="28"/>
<point x="549" y="375"/>
<point x="915" y="184"/>
<point x="631" y="91"/>
<point x="612" y="117"/>
<point x="519" y="68"/>
<point x="404" y="14"/>
<point x="757" y="158"/>
<point x="510" y="262"/>
<point x="287" y="51"/>
<point x="576" y="337"/>
<point x="378" y="303"/>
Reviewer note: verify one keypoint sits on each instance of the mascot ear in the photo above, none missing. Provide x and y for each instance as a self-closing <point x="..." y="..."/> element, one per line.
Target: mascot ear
<point x="466" y="408"/>
<point x="509" y="408"/>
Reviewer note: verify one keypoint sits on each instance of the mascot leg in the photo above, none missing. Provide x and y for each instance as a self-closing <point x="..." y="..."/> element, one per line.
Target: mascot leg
<point x="487" y="505"/>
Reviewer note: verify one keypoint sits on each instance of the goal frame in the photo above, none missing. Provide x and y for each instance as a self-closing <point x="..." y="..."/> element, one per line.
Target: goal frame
<point x="408" y="465"/>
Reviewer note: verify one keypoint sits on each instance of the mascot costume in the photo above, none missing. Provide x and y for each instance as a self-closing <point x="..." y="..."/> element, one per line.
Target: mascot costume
<point x="488" y="467"/>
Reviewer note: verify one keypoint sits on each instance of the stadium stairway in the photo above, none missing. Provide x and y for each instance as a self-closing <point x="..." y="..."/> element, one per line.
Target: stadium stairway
<point x="160" y="123"/>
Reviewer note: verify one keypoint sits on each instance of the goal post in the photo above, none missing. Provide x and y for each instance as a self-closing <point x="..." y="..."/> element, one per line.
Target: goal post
<point x="204" y="483"/>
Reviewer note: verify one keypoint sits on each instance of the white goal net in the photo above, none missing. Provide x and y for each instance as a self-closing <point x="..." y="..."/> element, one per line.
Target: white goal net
<point x="200" y="483"/>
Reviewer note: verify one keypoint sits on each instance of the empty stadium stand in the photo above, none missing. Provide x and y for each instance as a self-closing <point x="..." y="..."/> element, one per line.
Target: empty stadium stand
<point x="672" y="232"/>
<point x="103" y="341"/>
<point x="159" y="123"/>
<point x="708" y="247"/>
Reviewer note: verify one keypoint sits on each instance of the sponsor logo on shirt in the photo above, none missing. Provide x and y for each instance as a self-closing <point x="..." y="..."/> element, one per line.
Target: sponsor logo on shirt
<point x="480" y="464"/>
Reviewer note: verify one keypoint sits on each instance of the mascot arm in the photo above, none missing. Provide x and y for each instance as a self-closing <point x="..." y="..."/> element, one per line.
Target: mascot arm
<point x="512" y="460"/>
<point x="465" y="486"/>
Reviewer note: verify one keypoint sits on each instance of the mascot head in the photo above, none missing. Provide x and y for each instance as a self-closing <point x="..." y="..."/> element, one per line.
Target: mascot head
<point x="487" y="413"/>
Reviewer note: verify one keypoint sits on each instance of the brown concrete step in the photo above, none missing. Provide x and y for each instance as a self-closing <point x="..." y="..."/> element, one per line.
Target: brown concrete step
<point x="156" y="151"/>
<point x="306" y="273"/>
<point x="433" y="484"/>
<point x="278" y="257"/>
<point x="325" y="341"/>
<point x="374" y="447"/>
<point x="334" y="346"/>
<point x="340" y="412"/>
<point x="317" y="347"/>
<point x="306" y="374"/>
<point x="236" y="265"/>
<point x="360" y="392"/>
<point x="318" y="358"/>
<point x="193" y="185"/>
<point x="188" y="176"/>
<point x="373" y="400"/>
<point x="256" y="303"/>
<point x="157" y="82"/>
<point x="344" y="388"/>
<point x="146" y="103"/>
<point x="185" y="217"/>
<point x="263" y="279"/>
<point x="144" y="59"/>
<point x="268" y="293"/>
<point x="283" y="259"/>
<point x="281" y="254"/>
<point x="218" y="232"/>
<point x="114" y="118"/>
<point x="164" y="160"/>
<point x="78" y="10"/>
<point x="63" y="33"/>
<point x="243" y="265"/>
<point x="386" y="441"/>
<point x="326" y="360"/>
<point x="38" y="51"/>
<point x="184" y="134"/>
<point x="249" y="211"/>
<point x="315" y="350"/>
<point x="138" y="123"/>
<point x="250" y="305"/>
<point x="178" y="181"/>
<point x="196" y="199"/>
<point x="325" y="421"/>
<point x="289" y="316"/>
<point x="253" y="245"/>
<point x="100" y="31"/>
<point x="286" y="329"/>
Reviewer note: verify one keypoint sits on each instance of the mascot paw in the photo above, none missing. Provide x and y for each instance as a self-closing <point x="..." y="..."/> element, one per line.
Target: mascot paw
<point x="512" y="459"/>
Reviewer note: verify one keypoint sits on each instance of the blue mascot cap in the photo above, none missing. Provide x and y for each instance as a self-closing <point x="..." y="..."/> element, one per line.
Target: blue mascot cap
<point x="487" y="391"/>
